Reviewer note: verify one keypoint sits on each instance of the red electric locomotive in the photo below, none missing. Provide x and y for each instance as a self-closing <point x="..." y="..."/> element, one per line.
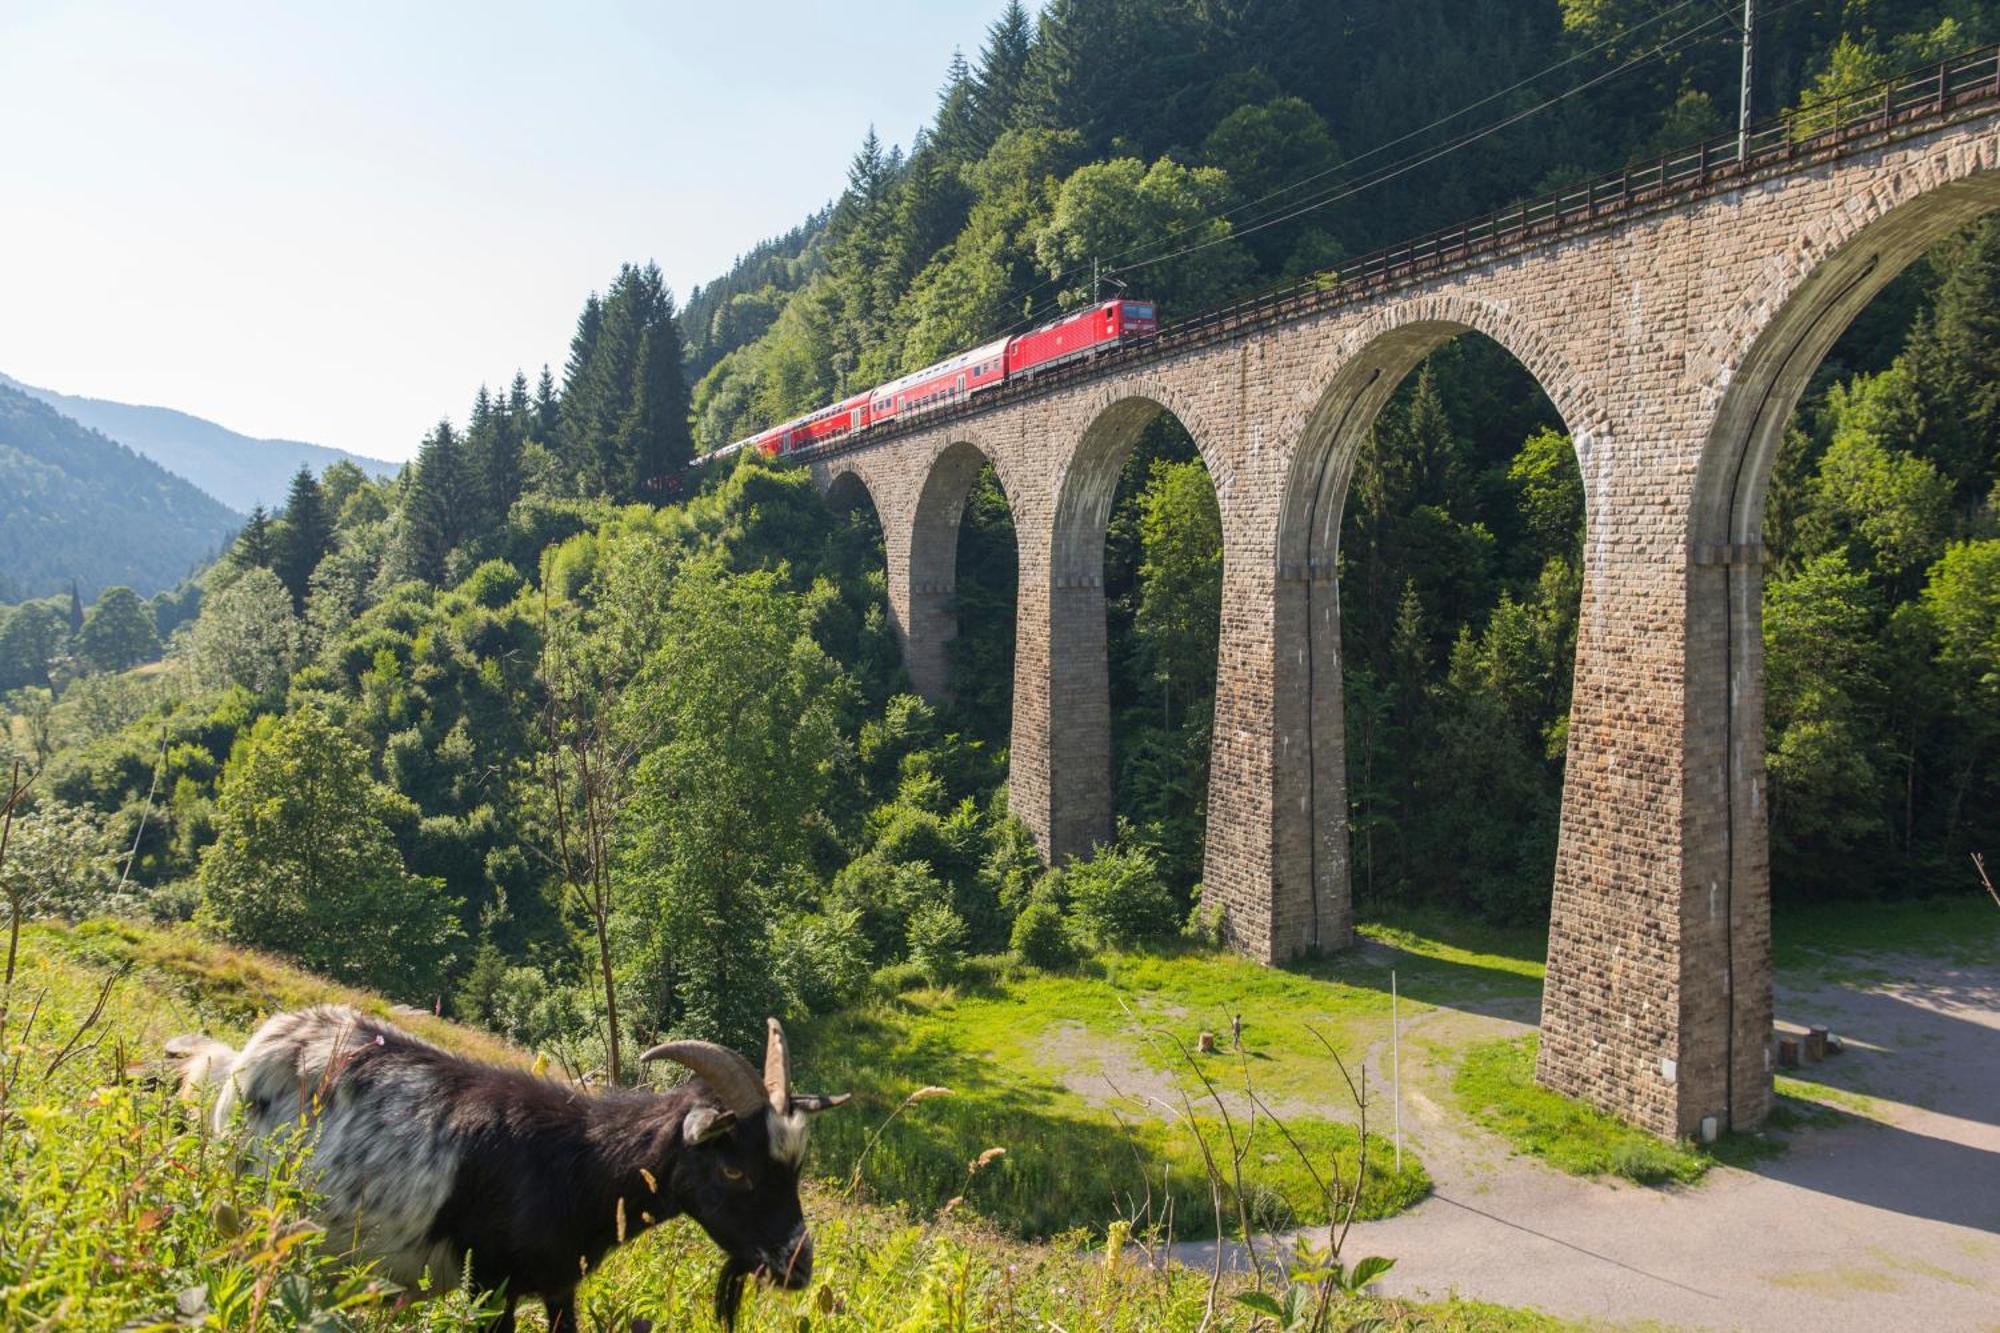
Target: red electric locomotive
<point x="1083" y="333"/>
<point x="1079" y="334"/>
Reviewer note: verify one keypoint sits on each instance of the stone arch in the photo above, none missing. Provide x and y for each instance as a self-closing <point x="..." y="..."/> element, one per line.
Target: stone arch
<point x="1754" y="370"/>
<point x="847" y="489"/>
<point x="1089" y="480"/>
<point x="1311" y="856"/>
<point x="930" y="559"/>
<point x="1751" y="375"/>
<point x="1080" y="779"/>
<point x="1340" y="405"/>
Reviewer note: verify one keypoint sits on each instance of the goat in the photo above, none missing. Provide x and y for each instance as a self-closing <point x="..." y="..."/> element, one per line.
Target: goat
<point x="421" y="1159"/>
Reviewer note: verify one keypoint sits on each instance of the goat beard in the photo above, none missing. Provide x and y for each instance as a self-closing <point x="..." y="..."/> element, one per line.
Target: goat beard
<point x="729" y="1291"/>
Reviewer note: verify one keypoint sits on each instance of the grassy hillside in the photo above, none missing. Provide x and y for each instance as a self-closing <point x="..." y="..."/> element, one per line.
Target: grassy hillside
<point x="76" y="505"/>
<point x="239" y="470"/>
<point x="171" y="1227"/>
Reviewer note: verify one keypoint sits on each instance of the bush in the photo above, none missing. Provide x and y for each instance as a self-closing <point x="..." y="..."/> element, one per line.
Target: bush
<point x="1041" y="938"/>
<point x="882" y="894"/>
<point x="937" y="942"/>
<point x="493" y="584"/>
<point x="914" y="834"/>
<point x="821" y="960"/>
<point x="1013" y="865"/>
<point x="60" y="862"/>
<point x="1117" y="897"/>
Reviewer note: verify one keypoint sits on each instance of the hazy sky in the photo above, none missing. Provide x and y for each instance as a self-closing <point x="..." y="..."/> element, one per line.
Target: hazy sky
<point x="333" y="223"/>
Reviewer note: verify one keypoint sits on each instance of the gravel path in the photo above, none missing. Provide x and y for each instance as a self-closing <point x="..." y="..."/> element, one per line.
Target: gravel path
<point x="1887" y="1223"/>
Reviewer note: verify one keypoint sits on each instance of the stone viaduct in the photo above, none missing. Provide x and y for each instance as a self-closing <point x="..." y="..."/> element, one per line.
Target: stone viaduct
<point x="1674" y="323"/>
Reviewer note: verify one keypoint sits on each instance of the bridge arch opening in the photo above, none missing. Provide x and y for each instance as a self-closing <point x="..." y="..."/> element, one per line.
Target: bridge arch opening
<point x="856" y="548"/>
<point x="1843" y="503"/>
<point x="1428" y="576"/>
<point x="1137" y="566"/>
<point x="963" y="573"/>
<point x="1114" y="659"/>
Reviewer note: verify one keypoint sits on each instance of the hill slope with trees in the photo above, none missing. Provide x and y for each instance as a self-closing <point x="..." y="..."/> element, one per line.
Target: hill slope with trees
<point x="76" y="507"/>
<point x="238" y="470"/>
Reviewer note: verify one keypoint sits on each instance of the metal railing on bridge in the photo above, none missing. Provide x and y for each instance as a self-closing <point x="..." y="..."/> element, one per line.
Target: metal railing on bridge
<point x="1803" y="135"/>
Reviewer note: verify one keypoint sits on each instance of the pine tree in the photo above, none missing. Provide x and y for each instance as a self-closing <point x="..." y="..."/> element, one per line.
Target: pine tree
<point x="1003" y="63"/>
<point x="253" y="548"/>
<point x="500" y="460"/>
<point x="302" y="540"/>
<point x="548" y="410"/>
<point x="956" y="133"/>
<point x="482" y="448"/>
<point x="578" y="418"/>
<point x="434" y="507"/>
<point x="75" y="609"/>
<point x="625" y="397"/>
<point x="1954" y="354"/>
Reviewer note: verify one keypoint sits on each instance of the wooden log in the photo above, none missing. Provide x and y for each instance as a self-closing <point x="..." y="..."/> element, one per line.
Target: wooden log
<point x="1815" y="1045"/>
<point x="1205" y="1043"/>
<point x="1788" y="1052"/>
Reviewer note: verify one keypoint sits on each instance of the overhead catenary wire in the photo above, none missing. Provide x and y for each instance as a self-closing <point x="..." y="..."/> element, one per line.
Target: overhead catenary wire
<point x="1426" y="155"/>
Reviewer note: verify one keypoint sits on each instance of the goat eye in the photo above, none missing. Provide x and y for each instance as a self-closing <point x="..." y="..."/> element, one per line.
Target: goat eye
<point x="731" y="1173"/>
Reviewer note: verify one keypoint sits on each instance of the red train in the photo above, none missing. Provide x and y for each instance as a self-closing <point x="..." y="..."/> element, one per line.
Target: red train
<point x="1007" y="360"/>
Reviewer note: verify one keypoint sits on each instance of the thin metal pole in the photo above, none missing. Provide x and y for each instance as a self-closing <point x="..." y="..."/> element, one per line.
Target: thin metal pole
<point x="1396" y="1065"/>
<point x="1743" y="105"/>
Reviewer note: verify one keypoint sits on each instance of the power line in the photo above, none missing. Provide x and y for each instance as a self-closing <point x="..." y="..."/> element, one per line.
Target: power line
<point x="1347" y="163"/>
<point x="1407" y="165"/>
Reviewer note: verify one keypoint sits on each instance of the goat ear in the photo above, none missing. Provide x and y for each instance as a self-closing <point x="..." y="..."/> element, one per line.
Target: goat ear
<point x="705" y="1124"/>
<point x="813" y="1103"/>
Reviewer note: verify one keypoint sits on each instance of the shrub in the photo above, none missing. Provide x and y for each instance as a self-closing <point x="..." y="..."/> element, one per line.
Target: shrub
<point x="493" y="584"/>
<point x="1117" y="897"/>
<point x="937" y="942"/>
<point x="1013" y="865"/>
<point x="1041" y="937"/>
<point x="882" y="894"/>
<point x="821" y="960"/>
<point x="60" y="862"/>
<point x="914" y="834"/>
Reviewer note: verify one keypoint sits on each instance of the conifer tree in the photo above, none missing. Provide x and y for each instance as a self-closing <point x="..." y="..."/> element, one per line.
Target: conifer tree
<point x="75" y="609"/>
<point x="625" y="396"/>
<point x="302" y="540"/>
<point x="996" y="88"/>
<point x="548" y="409"/>
<point x="499" y="454"/>
<point x="434" y="507"/>
<point x="956" y="132"/>
<point x="253" y="549"/>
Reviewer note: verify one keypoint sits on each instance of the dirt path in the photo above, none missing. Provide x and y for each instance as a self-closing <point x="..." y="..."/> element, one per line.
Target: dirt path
<point x="1885" y="1223"/>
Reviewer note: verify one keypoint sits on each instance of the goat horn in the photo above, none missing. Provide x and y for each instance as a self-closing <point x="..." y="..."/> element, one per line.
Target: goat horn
<point x="729" y="1076"/>
<point x="812" y="1103"/>
<point x="778" y="1070"/>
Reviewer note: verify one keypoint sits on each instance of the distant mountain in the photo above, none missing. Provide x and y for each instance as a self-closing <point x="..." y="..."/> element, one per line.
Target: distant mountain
<point x="76" y="505"/>
<point x="236" y="469"/>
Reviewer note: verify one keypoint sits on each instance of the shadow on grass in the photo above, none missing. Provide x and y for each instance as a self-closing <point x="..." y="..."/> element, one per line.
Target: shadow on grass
<point x="1467" y="966"/>
<point x="1066" y="1166"/>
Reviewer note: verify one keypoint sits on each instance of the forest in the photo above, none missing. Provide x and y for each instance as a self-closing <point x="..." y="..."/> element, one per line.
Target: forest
<point x="539" y="734"/>
<point x="80" y="510"/>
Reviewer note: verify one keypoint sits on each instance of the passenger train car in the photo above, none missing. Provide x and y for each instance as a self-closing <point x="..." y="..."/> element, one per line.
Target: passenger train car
<point x="1083" y="333"/>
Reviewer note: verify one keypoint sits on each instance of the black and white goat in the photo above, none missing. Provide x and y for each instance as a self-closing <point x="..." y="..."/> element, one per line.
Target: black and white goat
<point x="421" y="1158"/>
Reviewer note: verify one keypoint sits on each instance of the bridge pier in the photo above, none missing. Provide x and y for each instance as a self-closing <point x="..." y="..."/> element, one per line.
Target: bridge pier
<point x="1059" y="763"/>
